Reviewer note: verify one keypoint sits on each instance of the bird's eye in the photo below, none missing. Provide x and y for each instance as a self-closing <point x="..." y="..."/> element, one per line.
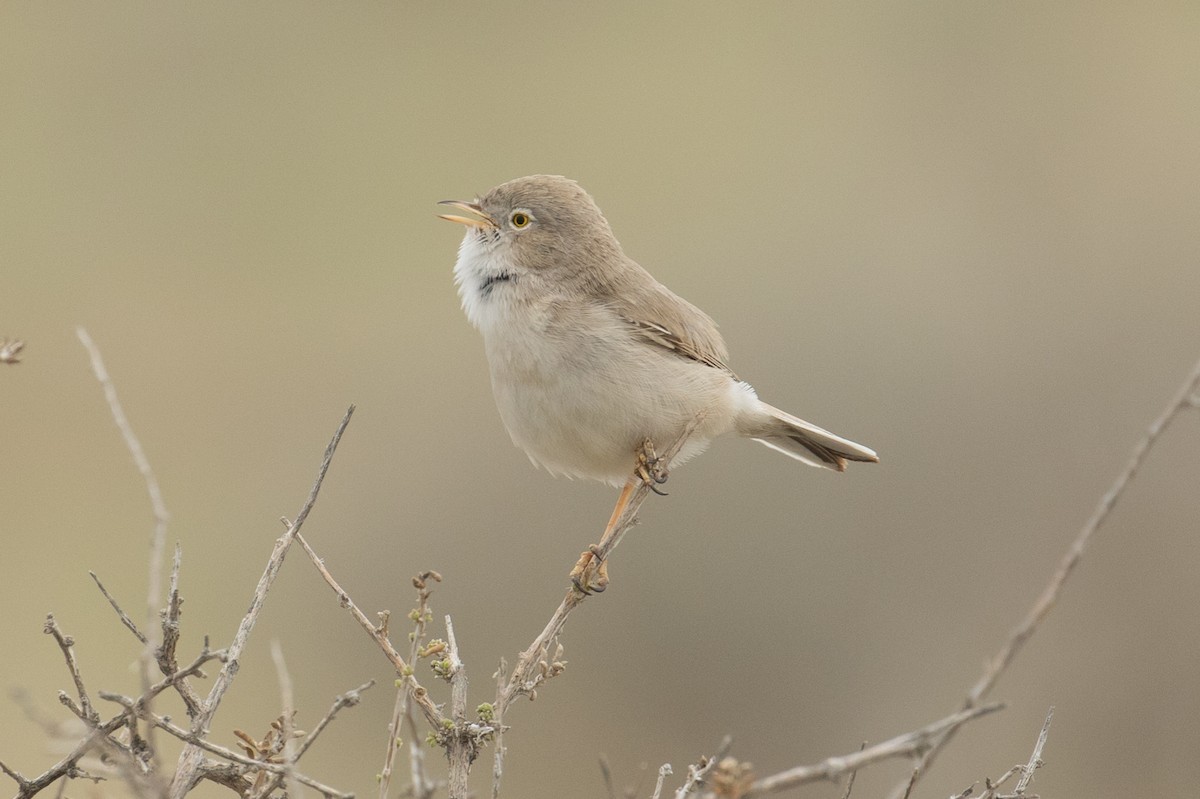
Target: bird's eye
<point x="519" y="219"/>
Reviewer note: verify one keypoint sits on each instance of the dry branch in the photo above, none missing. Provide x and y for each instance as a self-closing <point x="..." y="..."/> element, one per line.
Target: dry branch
<point x="460" y="736"/>
<point x="68" y="766"/>
<point x="523" y="679"/>
<point x="992" y="787"/>
<point x="1021" y="634"/>
<point x="1035" y="760"/>
<point x="161" y="517"/>
<point x="190" y="759"/>
<point x="379" y="635"/>
<point x="832" y="769"/>
<point x="526" y="674"/>
<point x="698" y="772"/>
<point x="421" y="787"/>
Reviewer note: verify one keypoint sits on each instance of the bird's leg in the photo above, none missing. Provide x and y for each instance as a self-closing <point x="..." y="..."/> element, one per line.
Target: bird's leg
<point x="651" y="468"/>
<point x="590" y="574"/>
<point x="591" y="570"/>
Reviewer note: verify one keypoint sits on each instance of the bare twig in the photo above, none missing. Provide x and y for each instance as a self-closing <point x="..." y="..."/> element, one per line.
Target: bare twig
<point x="202" y="743"/>
<point x="664" y="771"/>
<point x="158" y="507"/>
<point x="992" y="787"/>
<point x="190" y="759"/>
<point x="1049" y="596"/>
<point x="421" y="786"/>
<point x="1035" y="760"/>
<point x="418" y="693"/>
<point x="853" y="774"/>
<point x="66" y="643"/>
<point x="348" y="699"/>
<point x="458" y="676"/>
<point x="165" y="653"/>
<point x="527" y="674"/>
<point x="498" y="750"/>
<point x="287" y="719"/>
<point x="128" y="622"/>
<point x="193" y="669"/>
<point x="68" y="765"/>
<point x="697" y="772"/>
<point x="158" y="540"/>
<point x="461" y="748"/>
<point x="523" y="679"/>
<point x="834" y="768"/>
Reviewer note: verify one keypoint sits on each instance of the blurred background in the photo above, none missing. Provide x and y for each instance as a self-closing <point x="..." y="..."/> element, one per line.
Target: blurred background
<point x="964" y="234"/>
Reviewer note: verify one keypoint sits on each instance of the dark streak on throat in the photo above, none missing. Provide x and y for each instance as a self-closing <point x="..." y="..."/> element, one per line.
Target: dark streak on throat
<point x="489" y="282"/>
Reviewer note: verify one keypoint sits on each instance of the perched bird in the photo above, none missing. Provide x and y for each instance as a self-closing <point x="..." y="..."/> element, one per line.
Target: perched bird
<point x="591" y="358"/>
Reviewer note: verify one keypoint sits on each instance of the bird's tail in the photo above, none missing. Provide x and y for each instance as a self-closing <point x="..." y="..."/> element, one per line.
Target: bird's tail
<point x="803" y="441"/>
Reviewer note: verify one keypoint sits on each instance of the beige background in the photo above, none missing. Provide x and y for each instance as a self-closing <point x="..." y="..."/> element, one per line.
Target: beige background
<point x="962" y="233"/>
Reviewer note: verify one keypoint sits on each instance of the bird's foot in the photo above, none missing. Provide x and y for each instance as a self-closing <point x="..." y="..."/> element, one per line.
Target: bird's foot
<point x="590" y="575"/>
<point x="650" y="468"/>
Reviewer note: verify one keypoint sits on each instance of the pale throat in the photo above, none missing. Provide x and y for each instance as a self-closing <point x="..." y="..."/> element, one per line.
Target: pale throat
<point x="483" y="273"/>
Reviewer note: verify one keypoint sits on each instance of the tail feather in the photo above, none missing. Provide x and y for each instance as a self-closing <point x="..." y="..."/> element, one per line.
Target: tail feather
<point x="808" y="443"/>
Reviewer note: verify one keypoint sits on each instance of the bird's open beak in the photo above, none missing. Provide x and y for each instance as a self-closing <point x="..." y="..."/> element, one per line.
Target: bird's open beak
<point x="485" y="222"/>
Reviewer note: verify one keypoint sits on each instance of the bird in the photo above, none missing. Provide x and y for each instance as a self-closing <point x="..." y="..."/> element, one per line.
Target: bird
<point x="592" y="360"/>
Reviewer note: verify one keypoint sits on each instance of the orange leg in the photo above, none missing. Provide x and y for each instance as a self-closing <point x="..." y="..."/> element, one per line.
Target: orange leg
<point x="591" y="571"/>
<point x="622" y="503"/>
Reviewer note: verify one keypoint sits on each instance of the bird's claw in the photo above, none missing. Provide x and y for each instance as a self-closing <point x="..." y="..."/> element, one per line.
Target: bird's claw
<point x="650" y="468"/>
<point x="590" y="575"/>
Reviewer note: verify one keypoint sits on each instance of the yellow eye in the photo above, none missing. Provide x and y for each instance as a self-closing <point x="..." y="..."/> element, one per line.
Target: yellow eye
<point x="519" y="219"/>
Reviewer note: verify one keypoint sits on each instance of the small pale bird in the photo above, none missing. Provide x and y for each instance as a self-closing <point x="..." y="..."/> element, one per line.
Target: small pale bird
<point x="590" y="356"/>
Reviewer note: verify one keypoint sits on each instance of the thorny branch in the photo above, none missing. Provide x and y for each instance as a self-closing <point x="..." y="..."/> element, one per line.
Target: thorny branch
<point x="1035" y="760"/>
<point x="128" y="622"/>
<point x="1021" y="634"/>
<point x="528" y="673"/>
<point x="992" y="787"/>
<point x="832" y="769"/>
<point x="462" y="747"/>
<point x="698" y="772"/>
<point x="378" y="634"/>
<point x="68" y="766"/>
<point x="161" y="517"/>
<point x="190" y="760"/>
<point x="421" y="787"/>
<point x="158" y="507"/>
<point x="191" y="763"/>
<point x="200" y="742"/>
<point x="66" y="643"/>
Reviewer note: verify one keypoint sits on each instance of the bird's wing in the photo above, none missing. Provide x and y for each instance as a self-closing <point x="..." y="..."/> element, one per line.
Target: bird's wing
<point x="663" y="319"/>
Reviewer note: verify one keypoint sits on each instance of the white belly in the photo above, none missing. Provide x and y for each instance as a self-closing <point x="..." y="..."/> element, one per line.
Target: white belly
<point x="581" y="404"/>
